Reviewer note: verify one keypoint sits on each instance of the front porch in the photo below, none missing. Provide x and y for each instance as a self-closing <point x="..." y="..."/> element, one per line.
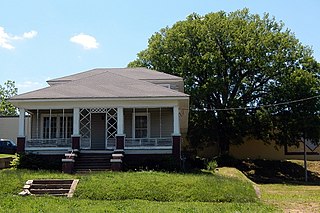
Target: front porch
<point x="137" y="130"/>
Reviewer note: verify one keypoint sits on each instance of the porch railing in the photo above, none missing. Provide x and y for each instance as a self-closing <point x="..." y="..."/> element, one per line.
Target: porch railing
<point x="47" y="143"/>
<point x="152" y="143"/>
<point x="130" y="143"/>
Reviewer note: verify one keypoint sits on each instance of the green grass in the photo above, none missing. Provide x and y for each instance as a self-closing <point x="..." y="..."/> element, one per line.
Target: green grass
<point x="292" y="198"/>
<point x="134" y="192"/>
<point x="51" y="204"/>
<point x="159" y="186"/>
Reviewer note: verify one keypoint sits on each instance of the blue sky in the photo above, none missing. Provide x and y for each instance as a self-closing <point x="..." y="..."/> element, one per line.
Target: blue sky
<point x="40" y="40"/>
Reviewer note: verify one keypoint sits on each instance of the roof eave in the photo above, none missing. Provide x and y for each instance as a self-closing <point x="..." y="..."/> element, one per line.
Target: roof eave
<point x="100" y="99"/>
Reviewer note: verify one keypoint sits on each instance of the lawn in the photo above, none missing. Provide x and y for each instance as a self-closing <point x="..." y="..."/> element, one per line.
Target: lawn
<point x="292" y="198"/>
<point x="281" y="183"/>
<point x="134" y="192"/>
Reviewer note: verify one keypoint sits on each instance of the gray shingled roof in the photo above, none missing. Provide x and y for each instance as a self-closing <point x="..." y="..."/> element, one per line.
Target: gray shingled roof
<point x="135" y="73"/>
<point x="106" y="83"/>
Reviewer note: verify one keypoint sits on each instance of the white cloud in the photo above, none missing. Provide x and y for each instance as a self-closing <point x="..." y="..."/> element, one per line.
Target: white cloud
<point x="30" y="34"/>
<point x="6" y="39"/>
<point x="86" y="41"/>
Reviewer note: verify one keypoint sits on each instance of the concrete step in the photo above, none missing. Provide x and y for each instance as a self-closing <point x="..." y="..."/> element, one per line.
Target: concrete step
<point x="49" y="191"/>
<point x="54" y="187"/>
<point x="83" y="171"/>
<point x="103" y="166"/>
<point x="51" y="186"/>
<point x="88" y="162"/>
<point x="92" y="160"/>
<point x="52" y="181"/>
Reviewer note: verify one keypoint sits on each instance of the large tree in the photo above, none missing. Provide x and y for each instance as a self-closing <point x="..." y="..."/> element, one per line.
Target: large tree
<point x="7" y="91"/>
<point x="244" y="73"/>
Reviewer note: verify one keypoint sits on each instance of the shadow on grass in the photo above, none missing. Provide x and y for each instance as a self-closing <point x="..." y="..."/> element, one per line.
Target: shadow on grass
<point x="271" y="171"/>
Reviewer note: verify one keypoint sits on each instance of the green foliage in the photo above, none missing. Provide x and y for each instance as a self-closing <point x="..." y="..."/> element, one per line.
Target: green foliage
<point x="243" y="61"/>
<point x="292" y="122"/>
<point x="129" y="186"/>
<point x="164" y="187"/>
<point x="14" y="164"/>
<point x="227" y="160"/>
<point x="156" y="163"/>
<point x="32" y="161"/>
<point x="52" y="204"/>
<point x="212" y="165"/>
<point x="6" y="92"/>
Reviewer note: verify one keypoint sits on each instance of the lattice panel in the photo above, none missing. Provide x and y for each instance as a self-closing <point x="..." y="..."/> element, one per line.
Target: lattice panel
<point x="98" y="110"/>
<point x="111" y="123"/>
<point x="85" y="127"/>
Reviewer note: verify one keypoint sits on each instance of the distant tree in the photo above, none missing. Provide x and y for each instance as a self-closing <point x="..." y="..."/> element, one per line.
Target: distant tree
<point x="7" y="91"/>
<point x="233" y="65"/>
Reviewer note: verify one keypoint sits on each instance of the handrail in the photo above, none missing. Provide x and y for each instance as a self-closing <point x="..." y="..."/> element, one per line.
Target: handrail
<point x="148" y="142"/>
<point x="45" y="142"/>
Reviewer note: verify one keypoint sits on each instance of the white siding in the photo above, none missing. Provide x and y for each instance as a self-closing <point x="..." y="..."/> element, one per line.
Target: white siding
<point x="9" y="127"/>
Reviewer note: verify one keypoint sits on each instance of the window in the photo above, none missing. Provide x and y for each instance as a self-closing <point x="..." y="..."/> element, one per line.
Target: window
<point x="141" y="125"/>
<point x="66" y="127"/>
<point x="57" y="126"/>
<point x="49" y="129"/>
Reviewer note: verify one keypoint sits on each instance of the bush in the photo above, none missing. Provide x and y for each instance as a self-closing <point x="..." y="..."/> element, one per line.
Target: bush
<point x="36" y="162"/>
<point x="151" y="162"/>
<point x="212" y="165"/>
<point x="15" y="163"/>
<point x="227" y="160"/>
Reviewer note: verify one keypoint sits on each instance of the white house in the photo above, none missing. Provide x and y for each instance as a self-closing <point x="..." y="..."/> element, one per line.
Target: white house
<point x="137" y="110"/>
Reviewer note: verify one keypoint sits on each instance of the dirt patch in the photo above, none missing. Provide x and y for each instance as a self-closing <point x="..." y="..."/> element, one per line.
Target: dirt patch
<point x="269" y="171"/>
<point x="281" y="183"/>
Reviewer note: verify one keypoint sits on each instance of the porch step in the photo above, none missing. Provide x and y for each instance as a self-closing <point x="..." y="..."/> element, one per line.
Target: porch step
<point x="54" y="187"/>
<point x="84" y="171"/>
<point x="89" y="162"/>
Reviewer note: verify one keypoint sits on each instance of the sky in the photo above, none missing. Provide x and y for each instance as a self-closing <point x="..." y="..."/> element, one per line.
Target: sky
<point x="42" y="39"/>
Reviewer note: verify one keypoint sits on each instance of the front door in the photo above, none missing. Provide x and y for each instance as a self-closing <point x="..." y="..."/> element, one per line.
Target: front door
<point x="98" y="130"/>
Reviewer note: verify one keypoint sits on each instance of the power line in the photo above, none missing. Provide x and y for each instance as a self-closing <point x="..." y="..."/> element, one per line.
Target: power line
<point x="256" y="107"/>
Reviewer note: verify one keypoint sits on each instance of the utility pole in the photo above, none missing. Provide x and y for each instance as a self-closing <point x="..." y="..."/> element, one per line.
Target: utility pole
<point x="305" y="160"/>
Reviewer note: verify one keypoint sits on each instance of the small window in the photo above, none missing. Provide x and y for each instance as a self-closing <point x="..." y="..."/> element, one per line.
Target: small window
<point x="141" y="125"/>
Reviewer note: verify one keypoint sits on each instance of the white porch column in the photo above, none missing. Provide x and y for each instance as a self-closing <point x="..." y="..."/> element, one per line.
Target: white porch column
<point x="21" y="122"/>
<point x="176" y="122"/>
<point x="76" y="121"/>
<point x="120" y="122"/>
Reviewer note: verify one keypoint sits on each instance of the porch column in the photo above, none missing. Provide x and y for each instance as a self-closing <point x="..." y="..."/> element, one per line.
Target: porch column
<point x="176" y="122"/>
<point x="120" y="137"/>
<point x="75" y="138"/>
<point x="120" y="123"/>
<point x="21" y="140"/>
<point x="21" y="122"/>
<point x="176" y="136"/>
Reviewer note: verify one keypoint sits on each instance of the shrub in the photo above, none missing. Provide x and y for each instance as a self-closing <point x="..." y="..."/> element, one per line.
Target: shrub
<point x="15" y="162"/>
<point x="212" y="165"/>
<point x="227" y="160"/>
<point x="35" y="162"/>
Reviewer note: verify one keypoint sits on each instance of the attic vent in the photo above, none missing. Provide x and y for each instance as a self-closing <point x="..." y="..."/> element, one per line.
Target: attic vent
<point x="165" y="85"/>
